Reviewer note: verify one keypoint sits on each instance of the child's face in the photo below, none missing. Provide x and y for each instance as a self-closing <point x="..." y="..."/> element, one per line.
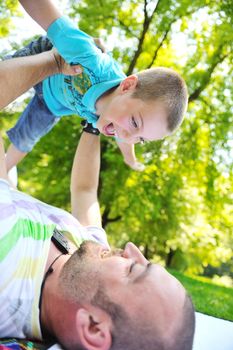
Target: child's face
<point x="133" y="120"/>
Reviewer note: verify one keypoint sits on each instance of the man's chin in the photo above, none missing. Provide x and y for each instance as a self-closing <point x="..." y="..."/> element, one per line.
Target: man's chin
<point x="83" y="249"/>
<point x="87" y="249"/>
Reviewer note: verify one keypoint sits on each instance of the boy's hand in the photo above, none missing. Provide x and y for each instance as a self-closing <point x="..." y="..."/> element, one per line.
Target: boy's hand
<point x="63" y="67"/>
<point x="129" y="156"/>
<point x="135" y="165"/>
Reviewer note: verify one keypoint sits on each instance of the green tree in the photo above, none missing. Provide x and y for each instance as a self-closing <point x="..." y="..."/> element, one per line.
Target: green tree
<point x="8" y="8"/>
<point x="179" y="210"/>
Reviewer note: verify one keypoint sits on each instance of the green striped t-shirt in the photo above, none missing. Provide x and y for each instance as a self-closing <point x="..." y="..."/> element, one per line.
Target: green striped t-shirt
<point x="26" y="227"/>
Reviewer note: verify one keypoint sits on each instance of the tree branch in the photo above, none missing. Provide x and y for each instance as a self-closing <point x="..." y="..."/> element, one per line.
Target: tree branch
<point x="125" y="27"/>
<point x="105" y="217"/>
<point x="188" y="13"/>
<point x="160" y="45"/>
<point x="146" y="24"/>
<point x="218" y="59"/>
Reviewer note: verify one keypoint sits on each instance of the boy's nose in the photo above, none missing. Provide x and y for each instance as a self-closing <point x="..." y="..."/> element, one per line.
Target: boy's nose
<point x="132" y="252"/>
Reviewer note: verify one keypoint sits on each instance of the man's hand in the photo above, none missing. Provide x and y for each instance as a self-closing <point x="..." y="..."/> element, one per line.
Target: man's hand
<point x="99" y="42"/>
<point x="66" y="68"/>
<point x="63" y="67"/>
<point x="20" y="74"/>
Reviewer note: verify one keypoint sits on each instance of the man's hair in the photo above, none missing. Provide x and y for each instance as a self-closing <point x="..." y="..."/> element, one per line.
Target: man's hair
<point x="137" y="335"/>
<point x="167" y="86"/>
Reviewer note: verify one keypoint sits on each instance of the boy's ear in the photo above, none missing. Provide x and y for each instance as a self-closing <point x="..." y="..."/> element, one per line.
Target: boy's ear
<point x="94" y="328"/>
<point x="129" y="83"/>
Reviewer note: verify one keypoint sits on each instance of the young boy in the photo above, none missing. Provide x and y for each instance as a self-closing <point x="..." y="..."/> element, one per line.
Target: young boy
<point x="142" y="107"/>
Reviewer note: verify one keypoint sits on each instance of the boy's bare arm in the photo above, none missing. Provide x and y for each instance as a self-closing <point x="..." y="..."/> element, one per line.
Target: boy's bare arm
<point x="130" y="159"/>
<point x="85" y="180"/>
<point x="44" y="12"/>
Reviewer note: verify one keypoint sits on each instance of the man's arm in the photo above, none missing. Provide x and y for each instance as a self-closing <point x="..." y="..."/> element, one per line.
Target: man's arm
<point x="85" y="179"/>
<point x="44" y="12"/>
<point x="3" y="172"/>
<point x="19" y="74"/>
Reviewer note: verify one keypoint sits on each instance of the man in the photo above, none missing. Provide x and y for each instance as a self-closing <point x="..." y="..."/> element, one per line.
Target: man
<point x="86" y="298"/>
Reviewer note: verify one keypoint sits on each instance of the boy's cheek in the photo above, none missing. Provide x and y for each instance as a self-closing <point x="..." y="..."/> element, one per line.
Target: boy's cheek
<point x="99" y="123"/>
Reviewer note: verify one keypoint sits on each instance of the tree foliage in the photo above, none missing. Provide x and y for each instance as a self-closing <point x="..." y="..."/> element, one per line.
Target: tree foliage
<point x="179" y="210"/>
<point x="7" y="9"/>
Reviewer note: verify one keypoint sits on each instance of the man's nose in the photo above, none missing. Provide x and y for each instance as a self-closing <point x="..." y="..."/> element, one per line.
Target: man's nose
<point x="132" y="252"/>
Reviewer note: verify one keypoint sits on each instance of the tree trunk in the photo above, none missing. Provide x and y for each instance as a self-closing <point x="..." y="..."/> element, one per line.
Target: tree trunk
<point x="169" y="258"/>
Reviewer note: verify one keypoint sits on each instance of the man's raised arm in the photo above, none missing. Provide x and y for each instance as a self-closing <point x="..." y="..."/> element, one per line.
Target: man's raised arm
<point x="20" y="74"/>
<point x="85" y="180"/>
<point x="17" y="75"/>
<point x="3" y="172"/>
<point x="44" y="12"/>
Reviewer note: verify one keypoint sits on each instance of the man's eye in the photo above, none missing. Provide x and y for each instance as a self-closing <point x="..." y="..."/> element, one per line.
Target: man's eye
<point x="131" y="267"/>
<point x="134" y="123"/>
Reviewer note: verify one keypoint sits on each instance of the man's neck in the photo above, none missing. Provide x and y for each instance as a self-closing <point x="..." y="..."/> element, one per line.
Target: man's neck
<point x="50" y="298"/>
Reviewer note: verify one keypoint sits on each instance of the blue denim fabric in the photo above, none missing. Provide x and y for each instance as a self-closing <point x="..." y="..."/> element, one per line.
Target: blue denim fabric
<point x="34" y="122"/>
<point x="34" y="47"/>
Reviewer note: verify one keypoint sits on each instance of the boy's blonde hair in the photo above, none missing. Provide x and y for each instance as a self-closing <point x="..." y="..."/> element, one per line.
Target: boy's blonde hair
<point x="167" y="86"/>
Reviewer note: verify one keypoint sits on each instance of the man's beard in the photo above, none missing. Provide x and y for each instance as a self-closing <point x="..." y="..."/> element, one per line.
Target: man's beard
<point x="83" y="250"/>
<point x="87" y="249"/>
<point x="81" y="275"/>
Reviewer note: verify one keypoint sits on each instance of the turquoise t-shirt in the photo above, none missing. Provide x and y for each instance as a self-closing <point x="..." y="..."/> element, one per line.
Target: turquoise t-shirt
<point x="65" y="95"/>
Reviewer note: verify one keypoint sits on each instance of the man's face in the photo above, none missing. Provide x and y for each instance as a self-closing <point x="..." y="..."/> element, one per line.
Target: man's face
<point x="142" y="289"/>
<point x="132" y="120"/>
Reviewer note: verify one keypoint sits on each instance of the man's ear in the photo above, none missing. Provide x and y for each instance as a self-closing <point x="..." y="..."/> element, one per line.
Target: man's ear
<point x="94" y="328"/>
<point x="129" y="83"/>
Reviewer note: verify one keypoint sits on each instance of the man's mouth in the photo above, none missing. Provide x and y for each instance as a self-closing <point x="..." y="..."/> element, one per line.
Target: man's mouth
<point x="109" y="130"/>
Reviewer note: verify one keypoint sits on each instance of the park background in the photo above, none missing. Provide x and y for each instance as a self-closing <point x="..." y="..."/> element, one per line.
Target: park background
<point x="179" y="211"/>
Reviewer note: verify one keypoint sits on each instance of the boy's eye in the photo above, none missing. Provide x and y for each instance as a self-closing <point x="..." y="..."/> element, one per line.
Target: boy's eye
<point x="134" y="123"/>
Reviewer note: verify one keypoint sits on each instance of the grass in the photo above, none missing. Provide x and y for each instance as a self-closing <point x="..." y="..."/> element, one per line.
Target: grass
<point x="207" y="297"/>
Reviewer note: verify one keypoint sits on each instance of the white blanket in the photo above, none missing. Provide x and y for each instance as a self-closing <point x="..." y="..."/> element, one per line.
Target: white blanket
<point x="212" y="333"/>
